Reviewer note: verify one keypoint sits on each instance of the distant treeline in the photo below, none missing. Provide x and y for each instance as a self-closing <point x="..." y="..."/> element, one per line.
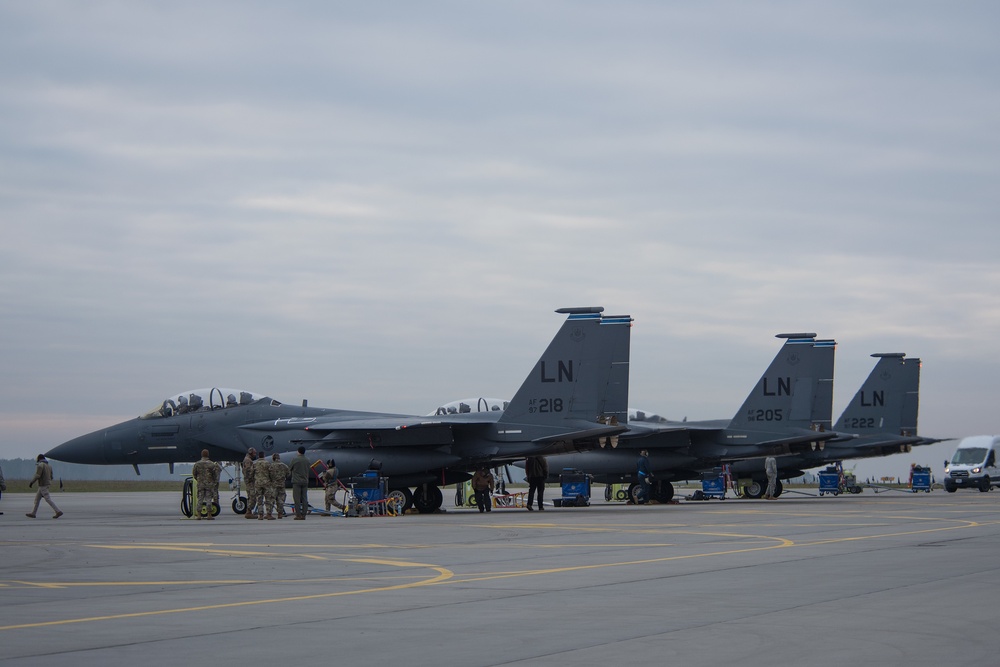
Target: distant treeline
<point x="25" y="469"/>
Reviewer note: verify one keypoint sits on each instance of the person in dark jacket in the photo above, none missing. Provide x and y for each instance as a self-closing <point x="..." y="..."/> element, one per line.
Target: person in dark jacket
<point x="644" y="474"/>
<point x="482" y="484"/>
<point x="536" y="470"/>
<point x="299" y="467"/>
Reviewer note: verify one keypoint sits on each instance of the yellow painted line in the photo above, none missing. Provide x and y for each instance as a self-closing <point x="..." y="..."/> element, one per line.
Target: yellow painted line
<point x="443" y="574"/>
<point x="221" y="552"/>
<point x="214" y="582"/>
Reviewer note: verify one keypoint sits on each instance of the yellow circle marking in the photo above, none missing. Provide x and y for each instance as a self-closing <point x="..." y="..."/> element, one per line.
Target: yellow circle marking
<point x="443" y="574"/>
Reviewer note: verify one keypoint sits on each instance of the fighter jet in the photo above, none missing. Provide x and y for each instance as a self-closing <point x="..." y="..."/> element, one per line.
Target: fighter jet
<point x="880" y="420"/>
<point x="575" y="398"/>
<point x="789" y="411"/>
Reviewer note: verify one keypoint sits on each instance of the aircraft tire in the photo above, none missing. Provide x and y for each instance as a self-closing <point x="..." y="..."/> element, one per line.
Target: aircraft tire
<point x="755" y="489"/>
<point x="186" y="499"/>
<point x="427" y="498"/>
<point x="778" y="488"/>
<point x="633" y="494"/>
<point x="663" y="491"/>
<point x="240" y="505"/>
<point x="404" y="497"/>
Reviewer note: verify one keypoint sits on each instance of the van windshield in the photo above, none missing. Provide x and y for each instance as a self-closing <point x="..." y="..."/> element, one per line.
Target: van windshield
<point x="969" y="455"/>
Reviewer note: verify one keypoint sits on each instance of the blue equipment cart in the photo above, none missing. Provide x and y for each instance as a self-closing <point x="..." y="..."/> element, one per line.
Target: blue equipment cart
<point x="829" y="481"/>
<point x="575" y="489"/>
<point x="713" y="484"/>
<point x="921" y="479"/>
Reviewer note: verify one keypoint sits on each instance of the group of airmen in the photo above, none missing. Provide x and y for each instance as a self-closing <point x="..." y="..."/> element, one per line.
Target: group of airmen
<point x="265" y="485"/>
<point x="265" y="481"/>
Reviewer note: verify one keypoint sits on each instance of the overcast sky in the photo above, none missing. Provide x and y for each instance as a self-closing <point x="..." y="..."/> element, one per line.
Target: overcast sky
<point x="379" y="205"/>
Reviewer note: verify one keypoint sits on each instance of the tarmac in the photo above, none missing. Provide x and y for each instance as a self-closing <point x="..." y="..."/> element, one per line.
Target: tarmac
<point x="124" y="578"/>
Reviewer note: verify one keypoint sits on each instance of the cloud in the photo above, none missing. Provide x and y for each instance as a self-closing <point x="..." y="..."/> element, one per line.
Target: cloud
<point x="379" y="207"/>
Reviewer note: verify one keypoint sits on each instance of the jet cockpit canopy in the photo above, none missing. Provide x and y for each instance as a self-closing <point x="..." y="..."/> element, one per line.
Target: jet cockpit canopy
<point x="645" y="416"/>
<point x="203" y="399"/>
<point x="467" y="405"/>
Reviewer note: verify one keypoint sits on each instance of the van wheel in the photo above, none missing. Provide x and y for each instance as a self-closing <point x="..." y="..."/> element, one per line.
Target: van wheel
<point x="984" y="484"/>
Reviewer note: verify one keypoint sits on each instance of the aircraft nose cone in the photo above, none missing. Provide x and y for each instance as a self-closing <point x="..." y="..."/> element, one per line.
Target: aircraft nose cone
<point x="84" y="449"/>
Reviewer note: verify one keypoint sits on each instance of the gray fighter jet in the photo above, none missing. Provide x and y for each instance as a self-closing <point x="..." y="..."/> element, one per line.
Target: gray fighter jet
<point x="880" y="420"/>
<point x="575" y="398"/>
<point x="789" y="411"/>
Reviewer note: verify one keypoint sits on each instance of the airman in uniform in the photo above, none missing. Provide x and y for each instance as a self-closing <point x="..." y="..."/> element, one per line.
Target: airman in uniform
<point x="248" y="478"/>
<point x="262" y="480"/>
<point x="206" y="474"/>
<point x="278" y="473"/>
<point x="329" y="478"/>
<point x="43" y="475"/>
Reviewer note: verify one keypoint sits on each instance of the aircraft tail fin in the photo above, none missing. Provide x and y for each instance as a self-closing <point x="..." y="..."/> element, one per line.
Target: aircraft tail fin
<point x="888" y="400"/>
<point x="582" y="375"/>
<point x="796" y="390"/>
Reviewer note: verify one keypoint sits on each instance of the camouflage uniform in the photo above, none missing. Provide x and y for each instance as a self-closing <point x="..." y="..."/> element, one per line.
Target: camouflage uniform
<point x="329" y="477"/>
<point x="248" y="477"/>
<point x="262" y="480"/>
<point x="206" y="474"/>
<point x="278" y="473"/>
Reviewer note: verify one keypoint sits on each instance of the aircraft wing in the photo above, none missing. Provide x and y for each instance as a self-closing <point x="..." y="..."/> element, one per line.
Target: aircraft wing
<point x="401" y="431"/>
<point x="798" y="440"/>
<point x="871" y="447"/>
<point x="596" y="432"/>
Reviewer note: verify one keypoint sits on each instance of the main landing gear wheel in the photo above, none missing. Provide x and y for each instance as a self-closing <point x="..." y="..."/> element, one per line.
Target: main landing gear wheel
<point x="240" y="505"/>
<point x="427" y="498"/>
<point x="403" y="498"/>
<point x="662" y="491"/>
<point x="778" y="488"/>
<point x="755" y="489"/>
<point x="633" y="493"/>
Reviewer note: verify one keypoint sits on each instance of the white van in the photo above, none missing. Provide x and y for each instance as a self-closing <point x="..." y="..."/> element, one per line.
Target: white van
<point x="974" y="465"/>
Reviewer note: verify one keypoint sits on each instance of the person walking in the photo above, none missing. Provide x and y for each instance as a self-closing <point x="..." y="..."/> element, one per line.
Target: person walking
<point x="482" y="484"/>
<point x="329" y="479"/>
<point x="206" y="475"/>
<point x="299" y="468"/>
<point x="536" y="469"/>
<point x="771" y="470"/>
<point x="644" y="474"/>
<point x="278" y="473"/>
<point x="43" y="476"/>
